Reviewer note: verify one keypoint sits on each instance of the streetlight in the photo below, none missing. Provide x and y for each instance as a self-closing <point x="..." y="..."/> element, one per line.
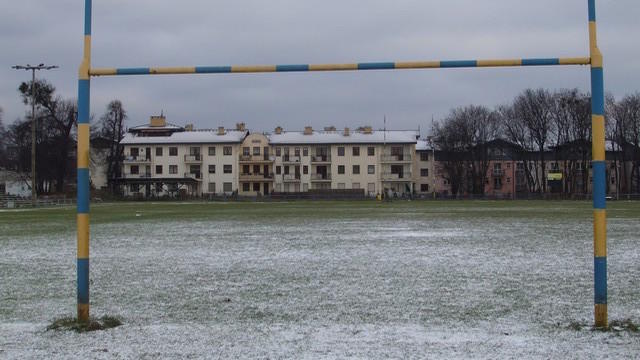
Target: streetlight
<point x="33" y="121"/>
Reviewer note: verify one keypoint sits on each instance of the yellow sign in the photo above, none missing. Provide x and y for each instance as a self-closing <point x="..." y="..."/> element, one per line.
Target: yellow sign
<point x="554" y="176"/>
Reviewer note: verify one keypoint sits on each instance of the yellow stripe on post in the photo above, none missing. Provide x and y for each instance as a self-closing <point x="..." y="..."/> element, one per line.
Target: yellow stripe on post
<point x="593" y="41"/>
<point x="508" y="62"/>
<point x="173" y="70"/>
<point x="575" y="61"/>
<point x="600" y="233"/>
<point x="103" y="71"/>
<point x="598" y="137"/>
<point x="252" y="69"/>
<point x="83" y="146"/>
<point x="332" y="67"/>
<point x="601" y="316"/>
<point x="87" y="47"/>
<point x="417" y="65"/>
<point x="83" y="236"/>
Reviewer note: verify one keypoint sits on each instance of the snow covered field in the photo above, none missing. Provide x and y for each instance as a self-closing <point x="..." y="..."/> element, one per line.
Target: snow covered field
<point x="321" y="280"/>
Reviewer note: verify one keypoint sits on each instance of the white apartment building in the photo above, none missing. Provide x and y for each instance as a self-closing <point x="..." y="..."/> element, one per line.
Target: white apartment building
<point x="424" y="168"/>
<point x="166" y="159"/>
<point x="372" y="160"/>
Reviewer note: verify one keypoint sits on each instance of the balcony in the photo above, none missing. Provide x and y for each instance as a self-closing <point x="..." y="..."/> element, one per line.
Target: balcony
<point x="498" y="173"/>
<point x="259" y="177"/>
<point x="137" y="176"/>
<point x="196" y="175"/>
<point x="256" y="158"/>
<point x="321" y="159"/>
<point x="137" y="160"/>
<point x="398" y="158"/>
<point x="402" y="177"/>
<point x="195" y="158"/>
<point x="287" y="159"/>
<point x="291" y="177"/>
<point x="320" y="177"/>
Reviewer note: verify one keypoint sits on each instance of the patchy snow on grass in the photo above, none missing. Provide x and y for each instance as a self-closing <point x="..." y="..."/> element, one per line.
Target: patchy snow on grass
<point x="460" y="284"/>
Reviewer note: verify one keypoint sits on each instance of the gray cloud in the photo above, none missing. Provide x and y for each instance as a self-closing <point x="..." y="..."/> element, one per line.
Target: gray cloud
<point x="159" y="33"/>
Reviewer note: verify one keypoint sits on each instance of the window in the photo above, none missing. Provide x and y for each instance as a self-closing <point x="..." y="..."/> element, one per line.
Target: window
<point x="212" y="186"/>
<point x="424" y="172"/>
<point x="173" y="169"/>
<point x="212" y="169"/>
<point x="371" y="187"/>
<point x="424" y="187"/>
<point x="158" y="169"/>
<point x="135" y="169"/>
<point x="305" y="169"/>
<point x="296" y="151"/>
<point x="278" y="170"/>
<point x="356" y="169"/>
<point x="227" y="187"/>
<point x="356" y="151"/>
<point x="212" y="152"/>
<point x="371" y="151"/>
<point x="134" y="151"/>
<point x="305" y="151"/>
<point x="246" y="187"/>
<point x="134" y="187"/>
<point x="245" y="169"/>
<point x="424" y="156"/>
<point x="256" y="169"/>
<point x="341" y="151"/>
<point x="158" y="151"/>
<point x="371" y="169"/>
<point x="355" y="186"/>
<point x="173" y="151"/>
<point x="340" y="169"/>
<point x="194" y="151"/>
<point x="286" y="151"/>
<point x="278" y="151"/>
<point x="340" y="185"/>
<point x="256" y="150"/>
<point x="227" y="150"/>
<point x="256" y="187"/>
<point x="227" y="169"/>
<point x="286" y="170"/>
<point x="245" y="151"/>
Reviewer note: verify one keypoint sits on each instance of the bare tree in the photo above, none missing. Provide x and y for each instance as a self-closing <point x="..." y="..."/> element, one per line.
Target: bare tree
<point x="516" y="131"/>
<point x="624" y="130"/>
<point x="533" y="109"/>
<point x="112" y="130"/>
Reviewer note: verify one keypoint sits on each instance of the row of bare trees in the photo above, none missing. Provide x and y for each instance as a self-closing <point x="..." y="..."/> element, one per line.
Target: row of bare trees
<point x="56" y="129"/>
<point x="540" y="126"/>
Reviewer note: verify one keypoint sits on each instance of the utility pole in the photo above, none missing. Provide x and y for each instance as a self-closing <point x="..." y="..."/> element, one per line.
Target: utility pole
<point x="34" y="196"/>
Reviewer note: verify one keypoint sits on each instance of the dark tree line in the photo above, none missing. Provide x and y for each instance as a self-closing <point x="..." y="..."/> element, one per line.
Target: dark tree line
<point x="537" y="122"/>
<point x="56" y="130"/>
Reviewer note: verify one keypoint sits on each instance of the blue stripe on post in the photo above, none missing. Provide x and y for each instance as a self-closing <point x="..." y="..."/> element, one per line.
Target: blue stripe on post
<point x="599" y="185"/>
<point x="600" y="279"/>
<point x="540" y="62"/>
<point x="592" y="10"/>
<point x="300" y="67"/>
<point x="597" y="91"/>
<point x="376" y="66"/>
<point x="83" y="281"/>
<point x="83" y="101"/>
<point x="83" y="191"/>
<point x="133" y="71"/>
<point x="213" y="69"/>
<point x="458" y="63"/>
<point x="87" y="17"/>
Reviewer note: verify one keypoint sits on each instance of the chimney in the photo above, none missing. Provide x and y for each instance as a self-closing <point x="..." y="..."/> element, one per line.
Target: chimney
<point x="188" y="127"/>
<point x="158" y="121"/>
<point x="308" y="130"/>
<point x="240" y="126"/>
<point x="221" y="130"/>
<point x="278" y="130"/>
<point x="367" y="130"/>
<point x="346" y="131"/>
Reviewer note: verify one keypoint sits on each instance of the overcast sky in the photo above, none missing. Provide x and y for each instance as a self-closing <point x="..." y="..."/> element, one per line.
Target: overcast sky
<point x="129" y="33"/>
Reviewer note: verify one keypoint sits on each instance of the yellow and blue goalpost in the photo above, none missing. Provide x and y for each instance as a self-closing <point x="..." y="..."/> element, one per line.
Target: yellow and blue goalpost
<point x="597" y="110"/>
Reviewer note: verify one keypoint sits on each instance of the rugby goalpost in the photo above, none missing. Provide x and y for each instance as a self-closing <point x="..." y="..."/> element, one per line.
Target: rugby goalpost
<point x="597" y="120"/>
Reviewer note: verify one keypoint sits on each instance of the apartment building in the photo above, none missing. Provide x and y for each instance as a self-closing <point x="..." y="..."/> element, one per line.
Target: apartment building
<point x="166" y="159"/>
<point x="372" y="160"/>
<point x="256" y="165"/>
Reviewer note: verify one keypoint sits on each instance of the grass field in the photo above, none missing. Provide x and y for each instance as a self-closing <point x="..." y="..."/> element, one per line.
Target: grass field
<point x="453" y="279"/>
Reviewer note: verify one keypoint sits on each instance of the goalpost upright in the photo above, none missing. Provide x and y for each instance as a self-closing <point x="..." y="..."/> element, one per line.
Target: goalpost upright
<point x="598" y="137"/>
